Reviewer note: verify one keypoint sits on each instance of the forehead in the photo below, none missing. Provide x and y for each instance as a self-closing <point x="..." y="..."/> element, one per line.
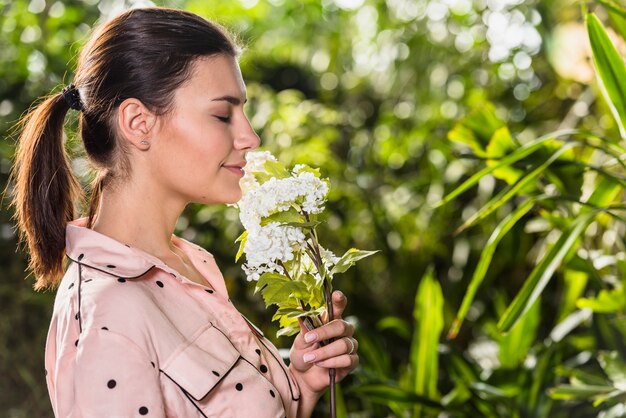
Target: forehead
<point x="218" y="75"/>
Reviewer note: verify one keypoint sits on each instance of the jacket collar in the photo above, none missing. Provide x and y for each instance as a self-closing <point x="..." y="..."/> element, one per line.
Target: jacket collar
<point x="93" y="249"/>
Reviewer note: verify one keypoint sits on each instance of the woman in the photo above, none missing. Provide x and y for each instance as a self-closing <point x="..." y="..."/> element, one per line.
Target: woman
<point x="142" y="322"/>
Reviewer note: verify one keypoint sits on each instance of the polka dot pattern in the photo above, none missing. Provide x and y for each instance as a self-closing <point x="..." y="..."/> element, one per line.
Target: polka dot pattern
<point x="114" y="368"/>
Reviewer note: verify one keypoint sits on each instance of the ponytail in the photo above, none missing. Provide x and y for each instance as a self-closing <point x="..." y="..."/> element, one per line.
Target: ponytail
<point x="45" y="189"/>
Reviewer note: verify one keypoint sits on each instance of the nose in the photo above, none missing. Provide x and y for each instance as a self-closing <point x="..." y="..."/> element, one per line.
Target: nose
<point x="247" y="138"/>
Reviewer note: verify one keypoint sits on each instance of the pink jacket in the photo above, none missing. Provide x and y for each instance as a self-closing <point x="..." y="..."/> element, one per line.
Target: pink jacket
<point x="131" y="337"/>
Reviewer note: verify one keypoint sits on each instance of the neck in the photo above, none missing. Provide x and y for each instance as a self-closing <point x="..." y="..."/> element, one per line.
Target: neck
<point x="139" y="215"/>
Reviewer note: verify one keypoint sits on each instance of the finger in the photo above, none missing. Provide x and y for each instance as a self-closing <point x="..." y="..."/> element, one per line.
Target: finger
<point x="300" y="343"/>
<point x="339" y="304"/>
<point x="334" y="329"/>
<point x="337" y="348"/>
<point x="341" y="362"/>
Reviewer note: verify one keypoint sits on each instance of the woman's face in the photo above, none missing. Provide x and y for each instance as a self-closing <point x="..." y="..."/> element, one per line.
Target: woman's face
<point x="202" y="143"/>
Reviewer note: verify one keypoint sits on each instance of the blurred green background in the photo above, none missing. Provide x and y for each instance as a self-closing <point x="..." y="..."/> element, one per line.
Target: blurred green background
<point x="398" y="102"/>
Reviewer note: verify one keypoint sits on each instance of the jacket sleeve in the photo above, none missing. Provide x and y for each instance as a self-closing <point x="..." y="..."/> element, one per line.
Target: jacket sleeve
<point x="115" y="378"/>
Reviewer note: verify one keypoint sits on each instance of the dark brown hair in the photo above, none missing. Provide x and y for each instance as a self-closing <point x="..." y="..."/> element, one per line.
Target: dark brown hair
<point x="143" y="53"/>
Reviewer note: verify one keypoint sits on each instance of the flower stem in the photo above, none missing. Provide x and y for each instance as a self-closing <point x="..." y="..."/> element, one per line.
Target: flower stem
<point x="328" y="291"/>
<point x="331" y="372"/>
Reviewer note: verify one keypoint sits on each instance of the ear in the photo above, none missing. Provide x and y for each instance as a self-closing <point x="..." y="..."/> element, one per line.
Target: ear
<point x="135" y="123"/>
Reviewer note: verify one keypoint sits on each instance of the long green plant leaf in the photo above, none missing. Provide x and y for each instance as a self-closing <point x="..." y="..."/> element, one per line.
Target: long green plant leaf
<point x="542" y="273"/>
<point x="614" y="7"/>
<point x="485" y="260"/>
<point x="517" y="155"/>
<point x="611" y="70"/>
<point x="384" y="394"/>
<point x="506" y="194"/>
<point x="428" y="315"/>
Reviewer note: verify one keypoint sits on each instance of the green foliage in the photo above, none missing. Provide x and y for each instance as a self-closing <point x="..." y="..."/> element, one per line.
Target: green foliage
<point x="424" y="357"/>
<point x="369" y="94"/>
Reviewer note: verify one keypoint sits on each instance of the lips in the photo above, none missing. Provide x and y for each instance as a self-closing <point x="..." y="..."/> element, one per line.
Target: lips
<point x="236" y="168"/>
<point x="240" y="165"/>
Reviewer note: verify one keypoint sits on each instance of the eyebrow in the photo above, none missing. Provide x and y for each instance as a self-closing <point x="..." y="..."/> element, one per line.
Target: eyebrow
<point x="230" y="99"/>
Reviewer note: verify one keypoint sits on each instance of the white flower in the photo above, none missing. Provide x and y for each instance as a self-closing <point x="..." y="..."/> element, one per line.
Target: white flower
<point x="279" y="195"/>
<point x="255" y="162"/>
<point x="329" y="257"/>
<point x="266" y="246"/>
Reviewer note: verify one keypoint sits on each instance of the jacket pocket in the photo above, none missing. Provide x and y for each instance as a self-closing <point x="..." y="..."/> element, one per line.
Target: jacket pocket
<point x="201" y="364"/>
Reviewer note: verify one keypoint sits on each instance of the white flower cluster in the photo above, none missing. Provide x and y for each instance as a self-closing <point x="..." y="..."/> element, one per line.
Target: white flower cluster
<point x="270" y="244"/>
<point x="255" y="161"/>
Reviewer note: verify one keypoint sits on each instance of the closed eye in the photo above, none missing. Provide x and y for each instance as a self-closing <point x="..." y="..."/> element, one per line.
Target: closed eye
<point x="224" y="119"/>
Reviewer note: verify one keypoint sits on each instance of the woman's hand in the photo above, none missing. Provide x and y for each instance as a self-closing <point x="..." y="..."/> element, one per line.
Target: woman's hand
<point x="310" y="361"/>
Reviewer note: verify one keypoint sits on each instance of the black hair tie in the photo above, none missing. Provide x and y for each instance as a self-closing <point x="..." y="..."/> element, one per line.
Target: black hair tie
<point x="72" y="97"/>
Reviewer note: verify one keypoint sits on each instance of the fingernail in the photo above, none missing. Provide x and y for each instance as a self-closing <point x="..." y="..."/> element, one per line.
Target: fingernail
<point x="341" y="295"/>
<point x="308" y="357"/>
<point x="309" y="337"/>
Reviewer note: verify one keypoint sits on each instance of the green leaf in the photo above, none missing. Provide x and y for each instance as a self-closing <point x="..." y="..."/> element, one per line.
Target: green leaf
<point x="506" y="194"/>
<point x="276" y="169"/>
<point x="501" y="145"/>
<point x="488" y="391"/>
<point x="575" y="283"/>
<point x="607" y="301"/>
<point x="579" y="376"/>
<point x="520" y="153"/>
<point x="613" y="7"/>
<point x="261" y="176"/>
<point x="542" y="273"/>
<point x="618" y="21"/>
<point x="515" y="344"/>
<point x="485" y="260"/>
<point x="396" y="324"/>
<point x="307" y="169"/>
<point x="279" y="291"/>
<point x="316" y="290"/>
<point x="289" y="330"/>
<point x="614" y="367"/>
<point x="242" y="243"/>
<point x="381" y="393"/>
<point x="305" y="225"/>
<point x="349" y="258"/>
<point x="611" y="70"/>
<point x="267" y="279"/>
<point x="605" y="191"/>
<point x="424" y="355"/>
<point x="284" y="217"/>
<point x="477" y="128"/>
<point x="579" y="392"/>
